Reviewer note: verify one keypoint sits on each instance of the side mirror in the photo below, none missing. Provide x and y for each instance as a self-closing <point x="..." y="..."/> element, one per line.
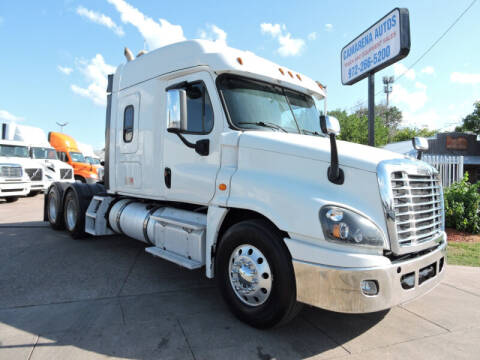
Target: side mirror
<point x="420" y="144"/>
<point x="329" y="125"/>
<point x="177" y="109"/>
<point x="102" y="163"/>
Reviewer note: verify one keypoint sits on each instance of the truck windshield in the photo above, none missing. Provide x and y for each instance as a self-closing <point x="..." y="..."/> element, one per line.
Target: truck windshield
<point x="13" y="150"/>
<point x="92" y="161"/>
<point x="77" y="157"/>
<point x="44" y="153"/>
<point x="254" y="104"/>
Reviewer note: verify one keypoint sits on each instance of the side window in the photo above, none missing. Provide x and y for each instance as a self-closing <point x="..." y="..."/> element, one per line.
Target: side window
<point x="62" y="156"/>
<point x="128" y="124"/>
<point x="199" y="109"/>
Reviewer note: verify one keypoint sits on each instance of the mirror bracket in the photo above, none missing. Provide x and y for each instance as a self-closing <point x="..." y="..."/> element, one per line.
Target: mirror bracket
<point x="334" y="173"/>
<point x="202" y="147"/>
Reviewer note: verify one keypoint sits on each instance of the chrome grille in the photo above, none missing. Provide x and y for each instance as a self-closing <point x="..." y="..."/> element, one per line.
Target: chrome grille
<point x="65" y="173"/>
<point x="34" y="174"/>
<point x="10" y="171"/>
<point x="412" y="199"/>
<point x="418" y="207"/>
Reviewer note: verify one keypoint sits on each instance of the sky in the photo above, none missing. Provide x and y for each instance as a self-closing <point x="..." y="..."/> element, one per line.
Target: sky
<point x="56" y="54"/>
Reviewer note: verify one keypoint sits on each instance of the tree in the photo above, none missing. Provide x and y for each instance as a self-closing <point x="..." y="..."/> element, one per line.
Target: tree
<point x="392" y="116"/>
<point x="354" y="128"/>
<point x="471" y="122"/>
<point x="409" y="133"/>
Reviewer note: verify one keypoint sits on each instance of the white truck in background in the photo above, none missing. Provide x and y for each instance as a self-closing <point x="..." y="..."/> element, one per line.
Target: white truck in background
<point x="17" y="152"/>
<point x="14" y="181"/>
<point x="40" y="151"/>
<point x="220" y="159"/>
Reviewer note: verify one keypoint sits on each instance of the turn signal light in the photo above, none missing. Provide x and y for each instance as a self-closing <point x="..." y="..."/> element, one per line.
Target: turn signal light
<point x="240" y="61"/>
<point x="222" y="187"/>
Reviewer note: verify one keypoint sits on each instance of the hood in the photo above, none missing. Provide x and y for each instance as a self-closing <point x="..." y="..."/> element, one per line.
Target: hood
<point x="83" y="166"/>
<point x="25" y="162"/>
<point x="317" y="148"/>
<point x="58" y="164"/>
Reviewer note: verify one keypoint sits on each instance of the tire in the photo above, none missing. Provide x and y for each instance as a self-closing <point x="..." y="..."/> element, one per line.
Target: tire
<point x="54" y="208"/>
<point x="11" y="199"/>
<point x="73" y="216"/>
<point x="272" y="300"/>
<point x="80" y="179"/>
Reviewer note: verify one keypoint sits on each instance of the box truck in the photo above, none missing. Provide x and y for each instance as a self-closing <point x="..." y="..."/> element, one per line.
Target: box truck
<point x="218" y="159"/>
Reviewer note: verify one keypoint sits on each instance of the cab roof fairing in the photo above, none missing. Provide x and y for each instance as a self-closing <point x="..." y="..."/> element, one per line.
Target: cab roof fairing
<point x="217" y="57"/>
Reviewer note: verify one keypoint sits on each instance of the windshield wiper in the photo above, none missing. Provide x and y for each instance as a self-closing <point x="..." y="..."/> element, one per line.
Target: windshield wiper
<point x="311" y="132"/>
<point x="264" y="124"/>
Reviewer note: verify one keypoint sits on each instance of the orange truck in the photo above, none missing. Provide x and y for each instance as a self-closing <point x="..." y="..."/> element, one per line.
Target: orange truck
<point x="68" y="151"/>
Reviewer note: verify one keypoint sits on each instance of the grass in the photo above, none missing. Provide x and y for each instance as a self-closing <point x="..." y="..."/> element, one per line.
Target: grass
<point x="463" y="253"/>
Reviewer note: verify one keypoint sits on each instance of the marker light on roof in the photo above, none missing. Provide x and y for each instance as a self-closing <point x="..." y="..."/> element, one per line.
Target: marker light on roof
<point x="281" y="71"/>
<point x="299" y="78"/>
<point x="240" y="61"/>
<point x="290" y="73"/>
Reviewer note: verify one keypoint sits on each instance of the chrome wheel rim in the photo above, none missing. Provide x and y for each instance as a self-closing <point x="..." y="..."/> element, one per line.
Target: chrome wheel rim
<point x="52" y="208"/>
<point x="250" y="275"/>
<point x="71" y="215"/>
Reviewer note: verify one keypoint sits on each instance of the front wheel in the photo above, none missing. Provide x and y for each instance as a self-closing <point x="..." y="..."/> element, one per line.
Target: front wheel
<point x="255" y="274"/>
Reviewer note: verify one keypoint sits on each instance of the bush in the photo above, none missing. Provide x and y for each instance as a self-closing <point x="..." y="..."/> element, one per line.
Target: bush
<point x="461" y="206"/>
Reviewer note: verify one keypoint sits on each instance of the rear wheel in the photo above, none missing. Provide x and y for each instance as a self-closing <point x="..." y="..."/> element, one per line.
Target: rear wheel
<point x="54" y="208"/>
<point x="11" y="199"/>
<point x="255" y="275"/>
<point x="72" y="214"/>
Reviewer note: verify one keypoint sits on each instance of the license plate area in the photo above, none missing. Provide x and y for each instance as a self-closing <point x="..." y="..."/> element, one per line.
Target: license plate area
<point x="427" y="272"/>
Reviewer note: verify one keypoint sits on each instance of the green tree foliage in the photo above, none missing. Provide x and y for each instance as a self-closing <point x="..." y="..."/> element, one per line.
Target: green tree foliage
<point x="462" y="201"/>
<point x="354" y="128"/>
<point x="471" y="122"/>
<point x="409" y="133"/>
<point x="391" y="115"/>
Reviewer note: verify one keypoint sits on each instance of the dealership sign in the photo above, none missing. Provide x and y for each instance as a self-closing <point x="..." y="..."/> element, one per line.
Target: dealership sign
<point x="386" y="42"/>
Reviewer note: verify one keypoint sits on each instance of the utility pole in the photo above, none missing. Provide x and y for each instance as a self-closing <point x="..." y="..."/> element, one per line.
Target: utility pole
<point x="62" y="125"/>
<point x="387" y="89"/>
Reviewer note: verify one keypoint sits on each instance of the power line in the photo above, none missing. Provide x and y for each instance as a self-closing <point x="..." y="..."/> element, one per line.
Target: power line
<point x="426" y="51"/>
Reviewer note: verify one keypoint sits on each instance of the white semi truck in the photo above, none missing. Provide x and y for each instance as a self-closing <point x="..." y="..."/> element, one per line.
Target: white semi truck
<point x="220" y="159"/>
<point x="43" y="153"/>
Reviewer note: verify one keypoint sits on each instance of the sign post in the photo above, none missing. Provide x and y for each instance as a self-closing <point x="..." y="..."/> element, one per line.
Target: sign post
<point x="384" y="43"/>
<point x="371" y="109"/>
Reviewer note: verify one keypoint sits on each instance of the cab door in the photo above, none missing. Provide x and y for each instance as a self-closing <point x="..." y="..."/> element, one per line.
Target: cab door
<point x="190" y="175"/>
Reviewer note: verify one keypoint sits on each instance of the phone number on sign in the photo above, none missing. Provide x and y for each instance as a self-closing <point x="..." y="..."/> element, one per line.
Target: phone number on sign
<point x="378" y="57"/>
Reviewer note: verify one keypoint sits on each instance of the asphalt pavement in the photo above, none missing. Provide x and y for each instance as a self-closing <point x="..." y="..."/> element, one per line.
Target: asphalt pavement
<point x="106" y="298"/>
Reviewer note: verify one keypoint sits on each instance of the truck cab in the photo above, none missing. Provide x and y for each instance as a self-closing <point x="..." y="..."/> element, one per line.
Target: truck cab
<point x="220" y="159"/>
<point x="18" y="152"/>
<point x="68" y="152"/>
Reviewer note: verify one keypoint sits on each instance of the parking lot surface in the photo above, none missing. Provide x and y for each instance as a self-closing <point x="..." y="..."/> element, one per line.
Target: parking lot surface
<point x="105" y="297"/>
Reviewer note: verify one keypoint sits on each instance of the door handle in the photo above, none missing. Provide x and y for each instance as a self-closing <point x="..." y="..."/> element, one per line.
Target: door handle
<point x="168" y="177"/>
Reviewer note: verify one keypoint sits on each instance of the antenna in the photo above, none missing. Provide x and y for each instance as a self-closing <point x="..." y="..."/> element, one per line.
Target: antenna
<point x="62" y="125"/>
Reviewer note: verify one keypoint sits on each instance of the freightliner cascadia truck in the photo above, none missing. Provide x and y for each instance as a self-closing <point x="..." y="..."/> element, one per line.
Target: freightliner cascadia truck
<point x="219" y="159"/>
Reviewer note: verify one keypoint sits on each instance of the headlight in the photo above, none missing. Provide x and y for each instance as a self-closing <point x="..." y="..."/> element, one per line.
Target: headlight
<point x="93" y="176"/>
<point x="347" y="227"/>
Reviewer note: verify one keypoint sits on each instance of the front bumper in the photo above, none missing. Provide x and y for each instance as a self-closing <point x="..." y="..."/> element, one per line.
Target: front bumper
<point x="339" y="289"/>
<point x="9" y="189"/>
